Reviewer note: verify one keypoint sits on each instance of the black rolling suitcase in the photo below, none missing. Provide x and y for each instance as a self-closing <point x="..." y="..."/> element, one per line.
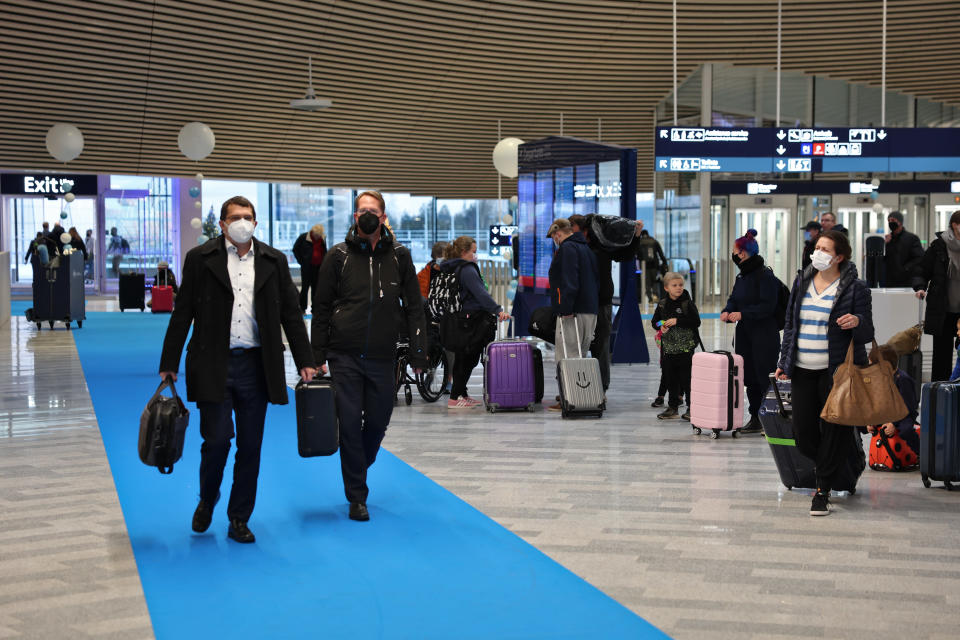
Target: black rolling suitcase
<point x="940" y="433"/>
<point x="132" y="288"/>
<point x="318" y="429"/>
<point x="537" y="375"/>
<point x="873" y="255"/>
<point x="796" y="469"/>
<point x="776" y="416"/>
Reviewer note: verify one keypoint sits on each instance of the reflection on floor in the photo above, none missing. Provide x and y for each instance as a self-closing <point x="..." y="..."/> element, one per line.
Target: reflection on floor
<point x="695" y="535"/>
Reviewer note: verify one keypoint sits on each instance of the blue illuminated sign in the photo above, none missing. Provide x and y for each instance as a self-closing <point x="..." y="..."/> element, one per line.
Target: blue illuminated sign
<point x="816" y="150"/>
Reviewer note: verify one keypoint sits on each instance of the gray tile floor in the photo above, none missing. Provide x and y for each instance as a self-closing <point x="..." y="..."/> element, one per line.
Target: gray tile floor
<point x="696" y="535"/>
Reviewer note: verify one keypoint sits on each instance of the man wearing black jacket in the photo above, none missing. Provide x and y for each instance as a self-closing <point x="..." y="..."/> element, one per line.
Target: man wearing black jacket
<point x="903" y="253"/>
<point x="237" y="293"/>
<point x="600" y="346"/>
<point x="366" y="293"/>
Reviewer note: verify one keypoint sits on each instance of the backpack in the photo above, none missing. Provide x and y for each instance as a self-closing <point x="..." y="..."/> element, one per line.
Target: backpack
<point x="444" y="295"/>
<point x="783" y="299"/>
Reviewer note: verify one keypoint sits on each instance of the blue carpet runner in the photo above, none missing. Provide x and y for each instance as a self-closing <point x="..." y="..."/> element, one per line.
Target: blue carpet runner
<point x="427" y="565"/>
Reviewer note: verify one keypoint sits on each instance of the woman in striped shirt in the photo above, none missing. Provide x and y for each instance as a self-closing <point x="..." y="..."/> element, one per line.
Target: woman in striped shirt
<point x="829" y="306"/>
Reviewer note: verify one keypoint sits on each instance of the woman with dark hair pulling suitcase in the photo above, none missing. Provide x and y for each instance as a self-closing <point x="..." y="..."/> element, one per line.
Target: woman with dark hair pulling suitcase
<point x="829" y="306"/>
<point x="483" y="310"/>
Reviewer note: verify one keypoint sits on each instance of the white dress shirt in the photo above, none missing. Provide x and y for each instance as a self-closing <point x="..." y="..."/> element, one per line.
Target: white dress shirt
<point x="243" y="325"/>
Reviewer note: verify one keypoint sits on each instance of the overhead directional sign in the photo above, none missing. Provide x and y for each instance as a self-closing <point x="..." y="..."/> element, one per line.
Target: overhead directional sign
<point x="805" y="150"/>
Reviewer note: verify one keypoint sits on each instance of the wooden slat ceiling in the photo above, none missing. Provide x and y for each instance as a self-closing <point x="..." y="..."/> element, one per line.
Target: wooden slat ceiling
<point x="417" y="85"/>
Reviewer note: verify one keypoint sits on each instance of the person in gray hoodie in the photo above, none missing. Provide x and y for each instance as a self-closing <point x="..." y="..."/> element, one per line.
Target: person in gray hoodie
<point x="461" y="256"/>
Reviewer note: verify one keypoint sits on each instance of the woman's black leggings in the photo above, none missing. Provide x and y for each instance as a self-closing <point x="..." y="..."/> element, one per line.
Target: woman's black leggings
<point x="827" y="444"/>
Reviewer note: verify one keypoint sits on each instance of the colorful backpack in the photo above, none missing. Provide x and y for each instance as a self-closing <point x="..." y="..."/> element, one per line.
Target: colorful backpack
<point x="891" y="453"/>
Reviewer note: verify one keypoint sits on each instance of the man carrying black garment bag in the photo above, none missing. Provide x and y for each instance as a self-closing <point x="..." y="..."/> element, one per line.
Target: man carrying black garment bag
<point x="237" y="293"/>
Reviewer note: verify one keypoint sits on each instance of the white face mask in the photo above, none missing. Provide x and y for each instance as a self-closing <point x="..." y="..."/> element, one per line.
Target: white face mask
<point x="240" y="231"/>
<point x="821" y="260"/>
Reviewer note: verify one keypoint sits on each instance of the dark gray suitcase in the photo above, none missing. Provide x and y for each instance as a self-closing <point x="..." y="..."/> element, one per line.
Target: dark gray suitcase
<point x="58" y="294"/>
<point x="940" y="433"/>
<point x="776" y="416"/>
<point x="318" y="428"/>
<point x="581" y="390"/>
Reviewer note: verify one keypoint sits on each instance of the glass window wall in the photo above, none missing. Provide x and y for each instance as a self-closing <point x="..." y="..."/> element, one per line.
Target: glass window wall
<point x="139" y="228"/>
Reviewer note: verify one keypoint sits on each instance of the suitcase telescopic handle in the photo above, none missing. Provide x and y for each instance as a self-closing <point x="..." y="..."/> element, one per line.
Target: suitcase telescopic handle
<point x="576" y="330"/>
<point x="776" y="391"/>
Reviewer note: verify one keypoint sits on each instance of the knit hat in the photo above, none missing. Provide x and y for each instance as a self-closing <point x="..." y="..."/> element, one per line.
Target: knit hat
<point x="748" y="242"/>
<point x="812" y="225"/>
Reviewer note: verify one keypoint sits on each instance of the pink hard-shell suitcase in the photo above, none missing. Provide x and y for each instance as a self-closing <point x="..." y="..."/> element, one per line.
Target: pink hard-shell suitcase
<point x="716" y="392"/>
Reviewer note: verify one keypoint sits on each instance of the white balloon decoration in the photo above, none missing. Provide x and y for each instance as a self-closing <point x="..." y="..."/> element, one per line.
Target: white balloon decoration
<point x="65" y="238"/>
<point x="878" y="207"/>
<point x="198" y="204"/>
<point x="196" y="223"/>
<point x="199" y="176"/>
<point x="506" y="218"/>
<point x="875" y="182"/>
<point x="514" y="200"/>
<point x="64" y="142"/>
<point x="505" y="156"/>
<point x="69" y="197"/>
<point x="196" y="140"/>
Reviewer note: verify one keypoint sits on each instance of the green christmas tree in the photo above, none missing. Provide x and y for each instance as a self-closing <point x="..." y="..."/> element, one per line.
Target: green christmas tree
<point x="210" y="227"/>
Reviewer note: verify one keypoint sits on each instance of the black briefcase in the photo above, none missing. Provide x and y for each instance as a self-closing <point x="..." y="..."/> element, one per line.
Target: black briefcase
<point x="163" y="426"/>
<point x="318" y="429"/>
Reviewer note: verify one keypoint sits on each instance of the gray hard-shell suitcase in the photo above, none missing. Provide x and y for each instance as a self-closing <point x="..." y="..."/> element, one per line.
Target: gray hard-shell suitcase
<point x="581" y="391"/>
<point x="318" y="427"/>
<point x="940" y="433"/>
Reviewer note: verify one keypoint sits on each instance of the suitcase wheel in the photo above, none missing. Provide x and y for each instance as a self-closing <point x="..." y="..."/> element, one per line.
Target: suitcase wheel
<point x="947" y="484"/>
<point x="697" y="430"/>
<point x="736" y="433"/>
<point x="531" y="407"/>
<point x="923" y="477"/>
<point x="714" y="434"/>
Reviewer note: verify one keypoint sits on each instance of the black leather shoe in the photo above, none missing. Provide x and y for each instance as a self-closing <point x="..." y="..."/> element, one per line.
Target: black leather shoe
<point x="238" y="531"/>
<point x="358" y="511"/>
<point x="202" y="516"/>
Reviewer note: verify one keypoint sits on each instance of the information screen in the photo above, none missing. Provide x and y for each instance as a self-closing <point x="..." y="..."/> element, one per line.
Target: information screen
<point x="545" y="217"/>
<point x="526" y="222"/>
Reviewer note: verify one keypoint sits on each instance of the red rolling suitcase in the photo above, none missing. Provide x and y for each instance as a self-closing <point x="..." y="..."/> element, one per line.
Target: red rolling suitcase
<point x="161" y="299"/>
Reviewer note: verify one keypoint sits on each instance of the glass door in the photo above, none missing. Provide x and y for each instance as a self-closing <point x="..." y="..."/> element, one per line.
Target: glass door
<point x="778" y="235"/>
<point x="24" y="218"/>
<point x="139" y="231"/>
<point x="862" y="218"/>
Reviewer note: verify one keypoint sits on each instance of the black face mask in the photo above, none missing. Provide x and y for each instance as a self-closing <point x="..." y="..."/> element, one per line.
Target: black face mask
<point x="894" y="225"/>
<point x="368" y="222"/>
<point x="736" y="259"/>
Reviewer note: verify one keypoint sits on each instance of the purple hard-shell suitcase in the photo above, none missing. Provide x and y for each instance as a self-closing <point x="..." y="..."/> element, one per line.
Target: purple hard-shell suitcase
<point x="509" y="381"/>
<point x="716" y="392"/>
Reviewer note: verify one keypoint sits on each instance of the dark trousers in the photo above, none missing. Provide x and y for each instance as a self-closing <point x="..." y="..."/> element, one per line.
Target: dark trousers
<point x="365" y="391"/>
<point x="653" y="288"/>
<point x="827" y="444"/>
<point x="676" y="371"/>
<point x="246" y="398"/>
<point x="755" y="394"/>
<point x="600" y="347"/>
<point x="307" y="275"/>
<point x="463" y="365"/>
<point x="942" y="365"/>
<point x="662" y="389"/>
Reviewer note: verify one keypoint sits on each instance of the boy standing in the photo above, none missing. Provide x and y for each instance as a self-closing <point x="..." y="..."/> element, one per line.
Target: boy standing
<point x="677" y="318"/>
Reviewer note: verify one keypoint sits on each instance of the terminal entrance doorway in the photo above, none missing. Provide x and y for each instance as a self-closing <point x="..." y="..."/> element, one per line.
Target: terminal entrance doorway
<point x="856" y="213"/>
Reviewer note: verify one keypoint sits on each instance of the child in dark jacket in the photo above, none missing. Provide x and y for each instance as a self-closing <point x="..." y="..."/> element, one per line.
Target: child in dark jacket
<point x="678" y="319"/>
<point x="905" y="384"/>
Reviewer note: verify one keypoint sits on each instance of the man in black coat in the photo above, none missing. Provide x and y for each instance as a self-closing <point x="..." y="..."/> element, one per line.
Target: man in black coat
<point x="600" y="347"/>
<point x="903" y="253"/>
<point x="366" y="293"/>
<point x="237" y="293"/>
